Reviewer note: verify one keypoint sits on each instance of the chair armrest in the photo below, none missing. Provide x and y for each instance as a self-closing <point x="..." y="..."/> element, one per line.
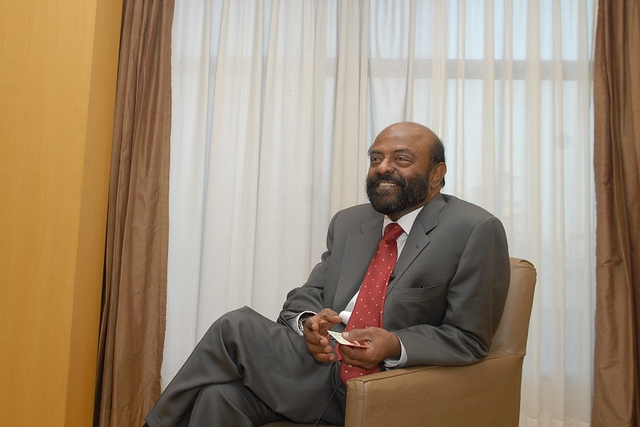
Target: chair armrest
<point x="483" y="394"/>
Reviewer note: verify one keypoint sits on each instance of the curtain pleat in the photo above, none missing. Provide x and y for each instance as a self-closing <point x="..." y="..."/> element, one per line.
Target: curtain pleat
<point x="616" y="399"/>
<point x="134" y="301"/>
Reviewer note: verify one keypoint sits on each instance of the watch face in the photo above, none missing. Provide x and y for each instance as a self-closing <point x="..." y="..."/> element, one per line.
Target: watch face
<point x="301" y="322"/>
<point x="303" y="318"/>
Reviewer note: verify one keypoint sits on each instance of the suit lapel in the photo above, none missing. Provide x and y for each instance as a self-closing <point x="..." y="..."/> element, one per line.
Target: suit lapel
<point x="418" y="238"/>
<point x="358" y="254"/>
<point x="361" y="247"/>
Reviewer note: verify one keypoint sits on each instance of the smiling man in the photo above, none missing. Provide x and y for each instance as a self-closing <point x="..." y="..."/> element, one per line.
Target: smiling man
<point x="406" y="169"/>
<point x="416" y="277"/>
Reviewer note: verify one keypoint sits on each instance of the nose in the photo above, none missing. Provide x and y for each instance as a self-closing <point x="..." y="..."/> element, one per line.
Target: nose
<point x="385" y="167"/>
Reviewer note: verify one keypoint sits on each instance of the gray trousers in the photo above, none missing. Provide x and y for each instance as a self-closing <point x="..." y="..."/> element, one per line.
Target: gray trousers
<point x="247" y="371"/>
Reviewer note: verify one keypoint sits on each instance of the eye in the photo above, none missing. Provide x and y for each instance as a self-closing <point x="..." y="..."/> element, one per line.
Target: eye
<point x="403" y="160"/>
<point x="375" y="159"/>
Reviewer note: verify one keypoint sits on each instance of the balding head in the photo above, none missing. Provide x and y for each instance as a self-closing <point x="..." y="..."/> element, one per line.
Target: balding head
<point x="420" y="134"/>
<point x="409" y="130"/>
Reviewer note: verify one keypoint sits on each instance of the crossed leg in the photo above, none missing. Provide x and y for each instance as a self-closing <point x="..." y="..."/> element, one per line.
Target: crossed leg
<point x="249" y="370"/>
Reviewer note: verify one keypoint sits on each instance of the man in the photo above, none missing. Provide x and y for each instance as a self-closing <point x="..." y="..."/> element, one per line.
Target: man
<point x="442" y="302"/>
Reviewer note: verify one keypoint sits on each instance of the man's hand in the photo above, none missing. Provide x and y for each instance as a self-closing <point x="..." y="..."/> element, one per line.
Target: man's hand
<point x="316" y="336"/>
<point x="380" y="345"/>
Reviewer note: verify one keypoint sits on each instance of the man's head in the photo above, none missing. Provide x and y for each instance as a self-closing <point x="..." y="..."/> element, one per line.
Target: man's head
<point x="406" y="169"/>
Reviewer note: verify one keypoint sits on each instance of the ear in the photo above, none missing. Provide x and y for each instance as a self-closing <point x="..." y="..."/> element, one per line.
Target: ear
<point x="437" y="174"/>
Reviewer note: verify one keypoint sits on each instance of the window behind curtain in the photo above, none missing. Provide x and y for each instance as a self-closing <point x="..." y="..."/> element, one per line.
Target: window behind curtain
<point x="276" y="103"/>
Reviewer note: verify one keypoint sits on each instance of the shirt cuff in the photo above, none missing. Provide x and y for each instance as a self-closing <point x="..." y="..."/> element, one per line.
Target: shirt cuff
<point x="397" y="363"/>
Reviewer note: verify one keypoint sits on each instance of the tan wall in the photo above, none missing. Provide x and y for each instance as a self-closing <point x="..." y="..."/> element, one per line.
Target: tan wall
<point x="58" y="64"/>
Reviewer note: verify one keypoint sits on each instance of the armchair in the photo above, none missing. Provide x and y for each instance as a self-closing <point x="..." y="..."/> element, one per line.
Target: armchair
<point x="483" y="394"/>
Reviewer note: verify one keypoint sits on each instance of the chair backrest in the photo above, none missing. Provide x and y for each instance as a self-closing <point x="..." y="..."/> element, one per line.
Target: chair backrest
<point x="511" y="335"/>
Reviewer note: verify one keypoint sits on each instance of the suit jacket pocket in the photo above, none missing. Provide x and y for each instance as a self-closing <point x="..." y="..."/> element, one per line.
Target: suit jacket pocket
<point x="419" y="294"/>
<point x="407" y="307"/>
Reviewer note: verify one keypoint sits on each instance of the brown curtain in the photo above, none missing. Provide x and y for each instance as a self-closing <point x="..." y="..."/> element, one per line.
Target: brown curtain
<point x="134" y="303"/>
<point x="616" y="400"/>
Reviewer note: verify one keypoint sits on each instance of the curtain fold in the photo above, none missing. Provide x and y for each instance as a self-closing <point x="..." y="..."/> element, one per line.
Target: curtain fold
<point x="134" y="300"/>
<point x="616" y="400"/>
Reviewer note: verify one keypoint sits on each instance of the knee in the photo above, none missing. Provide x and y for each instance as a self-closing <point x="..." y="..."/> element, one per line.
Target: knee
<point x="234" y="319"/>
<point x="243" y="318"/>
<point x="237" y="315"/>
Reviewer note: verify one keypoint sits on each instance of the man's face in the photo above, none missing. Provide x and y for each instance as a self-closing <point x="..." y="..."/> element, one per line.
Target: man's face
<point x="398" y="180"/>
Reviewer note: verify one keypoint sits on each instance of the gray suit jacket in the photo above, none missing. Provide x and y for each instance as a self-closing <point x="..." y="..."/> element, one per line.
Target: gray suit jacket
<point x="448" y="288"/>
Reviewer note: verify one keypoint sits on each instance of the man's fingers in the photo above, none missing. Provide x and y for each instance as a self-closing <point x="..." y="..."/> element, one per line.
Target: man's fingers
<point x="350" y="356"/>
<point x="322" y="353"/>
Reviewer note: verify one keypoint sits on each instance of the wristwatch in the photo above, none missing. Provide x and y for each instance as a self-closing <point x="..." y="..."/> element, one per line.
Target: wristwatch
<point x="303" y="318"/>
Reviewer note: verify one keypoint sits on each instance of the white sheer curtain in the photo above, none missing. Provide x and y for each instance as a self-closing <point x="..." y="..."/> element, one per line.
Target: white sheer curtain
<point x="275" y="105"/>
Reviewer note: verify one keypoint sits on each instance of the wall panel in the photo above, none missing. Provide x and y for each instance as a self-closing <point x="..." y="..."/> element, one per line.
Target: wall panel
<point x="58" y="66"/>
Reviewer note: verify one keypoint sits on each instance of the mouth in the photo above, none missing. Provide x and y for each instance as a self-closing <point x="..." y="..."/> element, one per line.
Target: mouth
<point x="384" y="186"/>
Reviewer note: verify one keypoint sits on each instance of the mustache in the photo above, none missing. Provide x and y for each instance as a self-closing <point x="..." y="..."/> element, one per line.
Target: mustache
<point x="388" y="178"/>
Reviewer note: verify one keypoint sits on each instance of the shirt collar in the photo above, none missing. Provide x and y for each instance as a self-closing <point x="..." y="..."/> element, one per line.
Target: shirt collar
<point x="406" y="221"/>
